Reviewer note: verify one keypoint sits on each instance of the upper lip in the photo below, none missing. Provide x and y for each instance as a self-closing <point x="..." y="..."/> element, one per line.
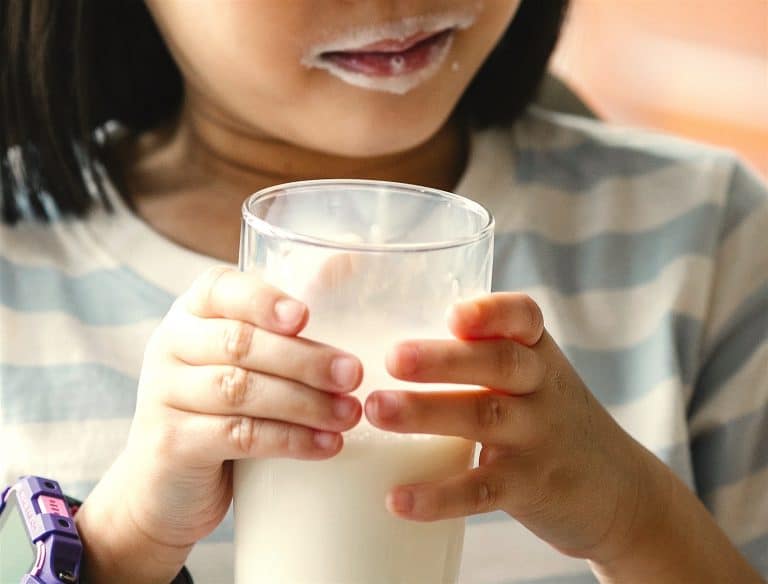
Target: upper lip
<point x="396" y="45"/>
<point x="394" y="36"/>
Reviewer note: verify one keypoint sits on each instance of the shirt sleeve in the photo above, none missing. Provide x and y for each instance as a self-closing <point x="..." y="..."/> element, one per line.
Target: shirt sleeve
<point x="728" y="411"/>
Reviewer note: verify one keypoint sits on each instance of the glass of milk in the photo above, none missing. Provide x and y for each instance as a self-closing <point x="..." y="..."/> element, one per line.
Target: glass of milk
<point x="376" y="263"/>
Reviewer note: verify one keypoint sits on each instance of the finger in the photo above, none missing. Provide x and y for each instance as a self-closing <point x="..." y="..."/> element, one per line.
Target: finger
<point x="507" y="315"/>
<point x="229" y="390"/>
<point x="217" y="341"/>
<point x="207" y="439"/>
<point x="498" y="364"/>
<point x="222" y="292"/>
<point x="479" y="490"/>
<point x="482" y="416"/>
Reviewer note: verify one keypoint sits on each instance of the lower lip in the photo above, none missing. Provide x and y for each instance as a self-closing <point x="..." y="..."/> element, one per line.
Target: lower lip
<point x="392" y="64"/>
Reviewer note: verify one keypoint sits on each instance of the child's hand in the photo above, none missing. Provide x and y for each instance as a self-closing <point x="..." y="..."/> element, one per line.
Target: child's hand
<point x="552" y="457"/>
<point x="224" y="377"/>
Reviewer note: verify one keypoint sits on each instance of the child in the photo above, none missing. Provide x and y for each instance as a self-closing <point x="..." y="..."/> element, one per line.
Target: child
<point x="625" y="347"/>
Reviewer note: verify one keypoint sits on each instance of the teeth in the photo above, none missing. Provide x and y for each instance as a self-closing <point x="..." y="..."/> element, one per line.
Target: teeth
<point x="399" y="30"/>
<point x="396" y="84"/>
<point x="399" y="82"/>
<point x="398" y="64"/>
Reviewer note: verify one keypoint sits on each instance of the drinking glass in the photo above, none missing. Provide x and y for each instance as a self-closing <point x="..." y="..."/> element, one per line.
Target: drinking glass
<point x="376" y="263"/>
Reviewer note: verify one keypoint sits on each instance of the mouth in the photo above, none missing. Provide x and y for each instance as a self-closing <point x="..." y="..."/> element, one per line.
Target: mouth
<point x="394" y="57"/>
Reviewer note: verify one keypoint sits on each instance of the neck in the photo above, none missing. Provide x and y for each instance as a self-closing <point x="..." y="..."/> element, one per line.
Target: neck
<point x="192" y="174"/>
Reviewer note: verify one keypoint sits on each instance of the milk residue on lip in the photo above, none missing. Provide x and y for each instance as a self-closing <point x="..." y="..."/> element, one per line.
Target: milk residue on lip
<point x="400" y="30"/>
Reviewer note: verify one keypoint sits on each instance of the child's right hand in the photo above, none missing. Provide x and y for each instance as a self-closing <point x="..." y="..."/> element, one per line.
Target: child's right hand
<point x="224" y="377"/>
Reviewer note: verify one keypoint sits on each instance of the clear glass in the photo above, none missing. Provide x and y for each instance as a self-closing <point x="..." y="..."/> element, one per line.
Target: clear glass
<point x="376" y="263"/>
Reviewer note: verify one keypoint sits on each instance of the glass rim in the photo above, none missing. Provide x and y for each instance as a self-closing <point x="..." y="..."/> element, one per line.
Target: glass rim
<point x="262" y="226"/>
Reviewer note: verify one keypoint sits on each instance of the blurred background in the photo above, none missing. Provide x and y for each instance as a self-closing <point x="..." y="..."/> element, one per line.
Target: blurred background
<point x="696" y="68"/>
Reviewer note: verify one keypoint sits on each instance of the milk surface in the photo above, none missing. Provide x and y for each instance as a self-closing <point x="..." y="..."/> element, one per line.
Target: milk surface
<point x="324" y="522"/>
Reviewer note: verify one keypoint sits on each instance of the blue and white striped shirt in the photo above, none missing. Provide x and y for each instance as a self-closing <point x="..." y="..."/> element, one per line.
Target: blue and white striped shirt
<point x="648" y="256"/>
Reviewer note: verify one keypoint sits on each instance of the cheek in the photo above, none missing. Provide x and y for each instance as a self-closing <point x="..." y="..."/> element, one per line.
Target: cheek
<point x="234" y="50"/>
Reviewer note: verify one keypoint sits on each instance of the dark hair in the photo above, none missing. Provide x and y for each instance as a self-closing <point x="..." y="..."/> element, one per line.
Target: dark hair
<point x="67" y="68"/>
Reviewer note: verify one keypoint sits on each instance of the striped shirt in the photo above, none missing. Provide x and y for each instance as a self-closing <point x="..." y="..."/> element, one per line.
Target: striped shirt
<point x="648" y="256"/>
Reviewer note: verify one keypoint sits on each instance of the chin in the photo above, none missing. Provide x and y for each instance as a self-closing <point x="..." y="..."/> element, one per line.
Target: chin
<point x="364" y="147"/>
<point x="368" y="139"/>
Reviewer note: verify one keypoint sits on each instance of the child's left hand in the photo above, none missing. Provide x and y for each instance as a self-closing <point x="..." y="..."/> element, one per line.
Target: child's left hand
<point x="552" y="457"/>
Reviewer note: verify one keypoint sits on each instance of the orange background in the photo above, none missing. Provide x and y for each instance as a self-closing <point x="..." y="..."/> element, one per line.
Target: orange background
<point x="697" y="68"/>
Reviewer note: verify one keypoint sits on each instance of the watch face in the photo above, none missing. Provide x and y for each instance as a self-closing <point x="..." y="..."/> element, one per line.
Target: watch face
<point x="17" y="553"/>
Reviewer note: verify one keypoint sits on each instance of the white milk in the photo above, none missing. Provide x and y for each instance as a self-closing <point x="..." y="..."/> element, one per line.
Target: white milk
<point x="324" y="522"/>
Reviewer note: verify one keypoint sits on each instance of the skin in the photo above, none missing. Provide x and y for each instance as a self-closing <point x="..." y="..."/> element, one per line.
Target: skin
<point x="253" y="116"/>
<point x="220" y="379"/>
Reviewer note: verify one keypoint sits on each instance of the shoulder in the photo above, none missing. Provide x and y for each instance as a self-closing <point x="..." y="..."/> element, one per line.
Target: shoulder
<point x="58" y="245"/>
<point x="626" y="147"/>
<point x="638" y="178"/>
<point x="578" y="153"/>
<point x="54" y="239"/>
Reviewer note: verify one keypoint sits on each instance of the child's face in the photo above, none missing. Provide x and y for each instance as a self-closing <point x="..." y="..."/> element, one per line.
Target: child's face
<point x="287" y="69"/>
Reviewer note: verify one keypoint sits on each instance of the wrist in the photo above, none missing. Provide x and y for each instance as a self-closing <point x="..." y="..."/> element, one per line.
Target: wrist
<point x="641" y="549"/>
<point x="116" y="549"/>
<point x="673" y="538"/>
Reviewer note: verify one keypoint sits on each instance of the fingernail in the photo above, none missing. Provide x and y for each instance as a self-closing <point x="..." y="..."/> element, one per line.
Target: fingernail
<point x="404" y="360"/>
<point x="288" y="311"/>
<point x="344" y="408"/>
<point x="345" y="372"/>
<point x="386" y="406"/>
<point x="401" y="501"/>
<point x="326" y="440"/>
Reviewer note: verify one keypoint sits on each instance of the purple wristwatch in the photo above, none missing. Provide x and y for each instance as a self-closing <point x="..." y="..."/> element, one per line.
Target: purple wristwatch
<point x="38" y="540"/>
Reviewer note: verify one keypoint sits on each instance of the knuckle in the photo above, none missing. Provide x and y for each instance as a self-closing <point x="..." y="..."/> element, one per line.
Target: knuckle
<point x="486" y="495"/>
<point x="490" y="454"/>
<point x="237" y="341"/>
<point x="491" y="413"/>
<point x="288" y="439"/>
<point x="210" y="276"/>
<point x="244" y="433"/>
<point x="283" y="438"/>
<point x="201" y="292"/>
<point x="234" y="385"/>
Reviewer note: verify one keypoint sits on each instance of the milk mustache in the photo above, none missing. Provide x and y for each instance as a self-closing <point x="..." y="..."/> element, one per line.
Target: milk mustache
<point x="324" y="522"/>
